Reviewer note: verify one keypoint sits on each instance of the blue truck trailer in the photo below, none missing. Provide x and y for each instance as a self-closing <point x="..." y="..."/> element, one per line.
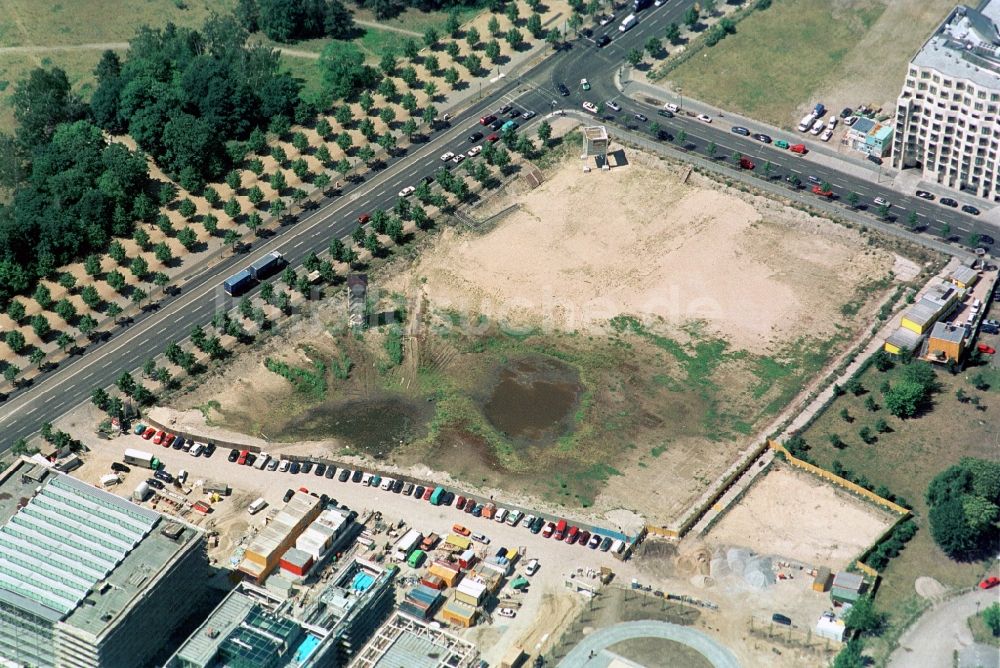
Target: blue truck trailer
<point x="239" y="283"/>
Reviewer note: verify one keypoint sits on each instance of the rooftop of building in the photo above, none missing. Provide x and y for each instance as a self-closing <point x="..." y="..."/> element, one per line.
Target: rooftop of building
<point x="950" y="333"/>
<point x="405" y="641"/>
<point x="904" y="338"/>
<point x="350" y="588"/>
<point x="72" y="552"/>
<point x="300" y="506"/>
<point x="966" y="45"/>
<point x="964" y="274"/>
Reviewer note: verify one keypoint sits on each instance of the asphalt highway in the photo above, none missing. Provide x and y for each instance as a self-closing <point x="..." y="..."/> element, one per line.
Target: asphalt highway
<point x="55" y="393"/>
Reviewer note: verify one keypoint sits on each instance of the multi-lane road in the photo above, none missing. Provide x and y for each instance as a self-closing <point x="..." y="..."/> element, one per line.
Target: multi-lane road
<point x="57" y="392"/>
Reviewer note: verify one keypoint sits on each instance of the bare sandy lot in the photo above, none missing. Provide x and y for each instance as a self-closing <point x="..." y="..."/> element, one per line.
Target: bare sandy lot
<point x="584" y="248"/>
<point x="792" y="515"/>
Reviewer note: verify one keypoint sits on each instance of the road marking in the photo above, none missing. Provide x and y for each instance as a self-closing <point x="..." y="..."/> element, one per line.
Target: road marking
<point x="88" y="375"/>
<point x="51" y="397"/>
<point x="31" y="411"/>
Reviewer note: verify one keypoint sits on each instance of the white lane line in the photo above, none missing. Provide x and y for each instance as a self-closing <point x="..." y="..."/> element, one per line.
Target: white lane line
<point x="88" y="375"/>
<point x="298" y="244"/>
<point x="31" y="411"/>
<point x="51" y="397"/>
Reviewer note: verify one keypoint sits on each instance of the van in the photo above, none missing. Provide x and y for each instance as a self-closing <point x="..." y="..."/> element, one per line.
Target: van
<point x="617" y="546"/>
<point x="628" y="23"/>
<point x="197" y="449"/>
<point x="182" y="476"/>
<point x="261" y="462"/>
<point x="670" y="106"/>
<point x="501" y="515"/>
<point x="257" y="506"/>
<point x="387" y="483"/>
<point x="366" y="478"/>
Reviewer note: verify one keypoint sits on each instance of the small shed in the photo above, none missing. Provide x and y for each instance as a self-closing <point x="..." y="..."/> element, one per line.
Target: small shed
<point x="822" y="580"/>
<point x="829" y="627"/>
<point x="459" y="613"/>
<point x="847" y="587"/>
<point x="296" y="562"/>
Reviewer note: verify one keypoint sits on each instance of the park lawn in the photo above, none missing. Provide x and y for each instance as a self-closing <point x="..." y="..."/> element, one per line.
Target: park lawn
<point x="416" y="20"/>
<point x="78" y="65"/>
<point x="905" y="461"/>
<point x="41" y="23"/>
<point x="306" y="70"/>
<point x="778" y="58"/>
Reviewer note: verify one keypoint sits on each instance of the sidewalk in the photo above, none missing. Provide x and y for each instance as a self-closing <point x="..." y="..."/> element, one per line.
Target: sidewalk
<point x="847" y="161"/>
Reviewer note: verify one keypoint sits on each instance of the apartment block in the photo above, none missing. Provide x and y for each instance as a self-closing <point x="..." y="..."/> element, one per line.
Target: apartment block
<point x="948" y="113"/>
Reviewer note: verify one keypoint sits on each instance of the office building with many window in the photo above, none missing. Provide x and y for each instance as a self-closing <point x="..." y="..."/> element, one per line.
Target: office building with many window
<point x="948" y="113"/>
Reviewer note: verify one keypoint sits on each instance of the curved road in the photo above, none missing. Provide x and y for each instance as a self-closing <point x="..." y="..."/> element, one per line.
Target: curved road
<point x="940" y="631"/>
<point x="55" y="393"/>
<point x="589" y="653"/>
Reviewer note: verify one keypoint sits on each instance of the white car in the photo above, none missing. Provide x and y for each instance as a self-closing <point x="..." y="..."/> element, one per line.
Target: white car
<point x="590" y="106"/>
<point x="605" y="20"/>
<point x="506" y="612"/>
<point x="611" y="104"/>
<point x="447" y="156"/>
<point x="458" y="158"/>
<point x="283" y="466"/>
<point x="659" y="3"/>
<point x="474" y="151"/>
<point x="584" y="84"/>
<point x="528" y="114"/>
<point x="532" y="567"/>
<point x="881" y="201"/>
<point x="480" y="538"/>
<point x="817" y="127"/>
<point x="833" y="122"/>
<point x="705" y="118"/>
<point x="528" y="521"/>
<point x="407" y="191"/>
<point x="827" y="134"/>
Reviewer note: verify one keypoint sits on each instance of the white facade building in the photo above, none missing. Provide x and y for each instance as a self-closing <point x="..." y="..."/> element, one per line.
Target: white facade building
<point x="948" y="113"/>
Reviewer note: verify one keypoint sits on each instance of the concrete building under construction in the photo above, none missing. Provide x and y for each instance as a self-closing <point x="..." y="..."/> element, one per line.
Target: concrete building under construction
<point x="405" y="641"/>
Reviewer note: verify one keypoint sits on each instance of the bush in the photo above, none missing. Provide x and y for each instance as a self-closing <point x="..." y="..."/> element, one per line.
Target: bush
<point x="964" y="508"/>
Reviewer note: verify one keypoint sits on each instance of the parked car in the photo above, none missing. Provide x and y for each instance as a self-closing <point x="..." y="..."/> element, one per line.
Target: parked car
<point x="407" y="488"/>
<point x="295" y="468"/>
<point x="827" y="134"/>
<point x="357" y="476"/>
<point x="527" y="114"/>
<point x="460" y="503"/>
<point x="118" y="467"/>
<point x="531" y="567"/>
<point x="506" y="612"/>
<point x="514" y="113"/>
<point x="845" y="112"/>
<point x="345" y="475"/>
<point x="330" y="471"/>
<point x="460" y="530"/>
<point x="548" y="530"/>
<point x="594" y="542"/>
<point x="874" y="158"/>
<point x="242" y="458"/>
<point x="798" y="148"/>
<point x="307" y="467"/>
<point x="474" y="137"/>
<point x="288" y="495"/>
<point x="584" y="84"/>
<point x="606" y="19"/>
<point x="284" y="465"/>
<point x="739" y="130"/>
<point x="504" y="109"/>
<point x="177" y="443"/>
<point x="397" y="487"/>
<point x="986" y="240"/>
<point x="480" y="538"/>
<point x="158" y="437"/>
<point x="923" y="194"/>
<point x="458" y="158"/>
<point x="477" y="510"/>
<point x="364" y="218"/>
<point x="474" y="151"/>
<point x="470" y="506"/>
<point x="781" y="143"/>
<point x="139" y="429"/>
<point x="234" y="454"/>
<point x="611" y="104"/>
<point x="154" y="483"/>
<point x="983" y="348"/>
<point x="761" y="137"/>
<point x="163" y="475"/>
<point x="968" y="208"/>
<point x="418" y="493"/>
<point x="251" y="458"/>
<point x="493" y="138"/>
<point x="538" y="524"/>
<point x="989" y="582"/>
<point x="272" y="465"/>
<point x="779" y="618"/>
<point x="606" y="544"/>
<point x="584" y="538"/>
<point x="209" y="450"/>
<point x="320" y="469"/>
<point x="818" y="190"/>
<point x="528" y="521"/>
<point x="497" y="124"/>
<point x="947" y="201"/>
<point x="427" y="494"/>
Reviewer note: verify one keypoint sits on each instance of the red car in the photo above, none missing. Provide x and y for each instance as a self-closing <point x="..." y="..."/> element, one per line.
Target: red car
<point x="584" y="538"/>
<point x="493" y="138"/>
<point x="148" y="434"/>
<point x="817" y="190"/>
<point x="460" y="503"/>
<point x="798" y="148"/>
<point x="983" y="348"/>
<point x="486" y="120"/>
<point x="243" y="457"/>
<point x="159" y="437"/>
<point x="989" y="583"/>
<point x="547" y="531"/>
<point x="364" y="218"/>
<point x="427" y="493"/>
<point x="746" y="163"/>
<point x="572" y="535"/>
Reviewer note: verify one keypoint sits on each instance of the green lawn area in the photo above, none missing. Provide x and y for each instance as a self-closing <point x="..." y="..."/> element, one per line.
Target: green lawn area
<point x="905" y="460"/>
<point x="416" y="20"/>
<point x="778" y="57"/>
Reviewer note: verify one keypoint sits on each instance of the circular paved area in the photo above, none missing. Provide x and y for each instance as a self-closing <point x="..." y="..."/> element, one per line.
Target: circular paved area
<point x="590" y="652"/>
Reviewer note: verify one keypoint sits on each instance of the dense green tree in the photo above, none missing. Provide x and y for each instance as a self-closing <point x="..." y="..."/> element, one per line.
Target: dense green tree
<point x="41" y="102"/>
<point x="991" y="617"/>
<point x="16" y="310"/>
<point x="344" y="71"/>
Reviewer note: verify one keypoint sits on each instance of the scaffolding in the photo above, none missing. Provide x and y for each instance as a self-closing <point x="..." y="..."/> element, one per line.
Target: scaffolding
<point x="403" y="640"/>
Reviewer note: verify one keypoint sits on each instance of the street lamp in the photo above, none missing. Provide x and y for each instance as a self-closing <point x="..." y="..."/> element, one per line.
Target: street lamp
<point x="680" y="93"/>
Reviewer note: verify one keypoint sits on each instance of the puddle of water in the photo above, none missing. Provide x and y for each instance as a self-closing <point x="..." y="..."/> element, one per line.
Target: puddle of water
<point x="375" y="426"/>
<point x="534" y="400"/>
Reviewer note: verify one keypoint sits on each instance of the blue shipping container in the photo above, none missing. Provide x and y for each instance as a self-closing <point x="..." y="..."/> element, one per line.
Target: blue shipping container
<point x="237" y="284"/>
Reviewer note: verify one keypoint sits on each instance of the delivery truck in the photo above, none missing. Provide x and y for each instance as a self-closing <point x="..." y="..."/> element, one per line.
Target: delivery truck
<point x="266" y="266"/>
<point x="140" y="458"/>
<point x="239" y="283"/>
<point x="406" y="544"/>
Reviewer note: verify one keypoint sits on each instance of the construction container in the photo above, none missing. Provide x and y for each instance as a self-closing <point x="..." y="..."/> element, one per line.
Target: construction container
<point x="492" y="563"/>
<point x="467" y="559"/>
<point x="433" y="581"/>
<point x="470" y="592"/>
<point x="459" y="614"/>
<point x="445" y="572"/>
<point x="514" y="657"/>
<point x="458" y="543"/>
<point x="822" y="580"/>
